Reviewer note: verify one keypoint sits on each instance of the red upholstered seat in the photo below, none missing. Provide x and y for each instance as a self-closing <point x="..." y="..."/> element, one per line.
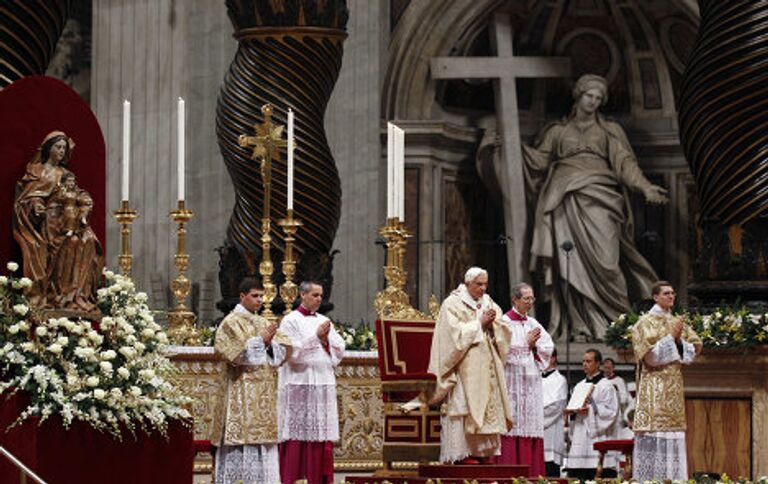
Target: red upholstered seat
<point x="204" y="446"/>
<point x="625" y="446"/>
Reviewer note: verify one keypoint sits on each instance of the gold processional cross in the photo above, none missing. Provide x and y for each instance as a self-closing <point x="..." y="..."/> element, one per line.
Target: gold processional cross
<point x="266" y="144"/>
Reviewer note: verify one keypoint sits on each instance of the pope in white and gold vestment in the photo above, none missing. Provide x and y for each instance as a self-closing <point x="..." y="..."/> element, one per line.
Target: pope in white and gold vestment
<point x="467" y="360"/>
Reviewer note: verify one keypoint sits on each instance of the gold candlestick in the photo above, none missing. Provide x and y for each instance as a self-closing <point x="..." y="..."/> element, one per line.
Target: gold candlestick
<point x="288" y="290"/>
<point x="125" y="217"/>
<point x="393" y="302"/>
<point x="265" y="145"/>
<point x="181" y="321"/>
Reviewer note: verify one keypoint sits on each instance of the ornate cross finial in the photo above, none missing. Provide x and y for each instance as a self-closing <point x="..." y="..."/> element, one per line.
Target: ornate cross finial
<point x="265" y="145"/>
<point x="266" y="142"/>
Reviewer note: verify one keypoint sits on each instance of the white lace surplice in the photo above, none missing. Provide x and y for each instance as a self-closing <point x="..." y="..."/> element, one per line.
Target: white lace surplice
<point x="662" y="455"/>
<point x="555" y="399"/>
<point x="307" y="407"/>
<point x="249" y="464"/>
<point x="523" y="376"/>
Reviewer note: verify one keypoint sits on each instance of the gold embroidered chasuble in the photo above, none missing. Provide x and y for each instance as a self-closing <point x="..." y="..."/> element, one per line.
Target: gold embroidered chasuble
<point x="469" y="368"/>
<point x="247" y="413"/>
<point x="660" y="395"/>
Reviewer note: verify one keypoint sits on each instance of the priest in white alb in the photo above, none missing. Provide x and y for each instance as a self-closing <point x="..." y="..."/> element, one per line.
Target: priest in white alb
<point x="245" y="420"/>
<point x="663" y="343"/>
<point x="597" y="419"/>
<point x="528" y="355"/>
<point x="467" y="345"/>
<point x="308" y="417"/>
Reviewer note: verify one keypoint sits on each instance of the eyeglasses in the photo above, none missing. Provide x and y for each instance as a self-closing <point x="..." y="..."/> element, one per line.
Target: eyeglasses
<point x="527" y="298"/>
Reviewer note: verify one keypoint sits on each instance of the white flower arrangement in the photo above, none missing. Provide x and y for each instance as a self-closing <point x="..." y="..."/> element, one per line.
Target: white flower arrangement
<point x="108" y="374"/>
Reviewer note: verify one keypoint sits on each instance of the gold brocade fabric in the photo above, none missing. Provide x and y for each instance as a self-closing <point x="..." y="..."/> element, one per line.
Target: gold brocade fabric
<point x="660" y="395"/>
<point x="247" y="412"/>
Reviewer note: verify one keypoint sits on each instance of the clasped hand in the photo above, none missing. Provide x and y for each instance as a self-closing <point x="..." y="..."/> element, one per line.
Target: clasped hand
<point x="488" y="317"/>
<point x="268" y="333"/>
<point x="323" y="330"/>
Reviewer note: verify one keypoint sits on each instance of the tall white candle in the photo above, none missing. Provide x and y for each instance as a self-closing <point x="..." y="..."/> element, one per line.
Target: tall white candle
<point x="180" y="150"/>
<point x="390" y="170"/>
<point x="126" y="149"/>
<point x="399" y="151"/>
<point x="290" y="159"/>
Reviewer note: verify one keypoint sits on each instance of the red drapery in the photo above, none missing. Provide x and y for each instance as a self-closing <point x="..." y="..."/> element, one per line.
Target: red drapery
<point x="84" y="455"/>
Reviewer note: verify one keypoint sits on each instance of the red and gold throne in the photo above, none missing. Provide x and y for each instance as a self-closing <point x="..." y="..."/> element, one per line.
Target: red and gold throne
<point x="411" y="427"/>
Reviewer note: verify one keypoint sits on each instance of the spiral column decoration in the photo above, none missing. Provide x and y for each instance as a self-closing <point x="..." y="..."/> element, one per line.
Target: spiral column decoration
<point x="28" y="37"/>
<point x="289" y="54"/>
<point x="723" y="117"/>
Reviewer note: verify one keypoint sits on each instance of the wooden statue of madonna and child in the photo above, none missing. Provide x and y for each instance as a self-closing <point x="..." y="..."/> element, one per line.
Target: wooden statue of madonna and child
<point x="61" y="254"/>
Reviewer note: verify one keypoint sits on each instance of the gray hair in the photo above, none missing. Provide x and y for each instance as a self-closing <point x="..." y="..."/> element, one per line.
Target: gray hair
<point x="473" y="273"/>
<point x="306" y="286"/>
<point x="517" y="291"/>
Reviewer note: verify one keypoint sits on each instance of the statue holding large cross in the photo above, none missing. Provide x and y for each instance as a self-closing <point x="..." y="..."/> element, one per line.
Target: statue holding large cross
<point x="504" y="69"/>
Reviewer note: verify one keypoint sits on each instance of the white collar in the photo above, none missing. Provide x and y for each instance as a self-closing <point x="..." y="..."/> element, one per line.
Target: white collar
<point x="656" y="309"/>
<point x="477" y="304"/>
<point x="241" y="309"/>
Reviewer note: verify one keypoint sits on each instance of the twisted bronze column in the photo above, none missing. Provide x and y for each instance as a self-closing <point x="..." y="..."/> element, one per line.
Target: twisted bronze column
<point x="29" y="35"/>
<point x="289" y="55"/>
<point x="723" y="114"/>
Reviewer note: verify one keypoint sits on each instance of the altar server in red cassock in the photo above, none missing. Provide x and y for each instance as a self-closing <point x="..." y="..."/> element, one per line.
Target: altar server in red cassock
<point x="527" y="357"/>
<point x="308" y="418"/>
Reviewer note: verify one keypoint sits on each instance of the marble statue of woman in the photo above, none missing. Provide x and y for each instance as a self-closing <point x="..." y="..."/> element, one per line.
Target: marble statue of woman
<point x="580" y="171"/>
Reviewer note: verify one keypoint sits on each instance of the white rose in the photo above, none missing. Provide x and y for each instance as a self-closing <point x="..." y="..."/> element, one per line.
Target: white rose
<point x="147" y="333"/>
<point x="108" y="355"/>
<point x="106" y="366"/>
<point x="99" y="394"/>
<point x="21" y="309"/>
<point x="140" y="347"/>
<point x="95" y="337"/>
<point x="135" y="391"/>
<point x="23" y="325"/>
<point x="146" y="374"/>
<point x="25" y="282"/>
<point x="107" y="322"/>
<point x="116" y="393"/>
<point x="130" y="339"/>
<point x="76" y="329"/>
<point x="12" y="266"/>
<point x="28" y="346"/>
<point x="156" y="381"/>
<point x="55" y="348"/>
<point x="141" y="297"/>
<point x="72" y="379"/>
<point x="130" y="311"/>
<point x="62" y="340"/>
<point x="109" y="274"/>
<point x="13" y="329"/>
<point x="127" y="351"/>
<point x="41" y="331"/>
<point x="161" y="337"/>
<point x="123" y="372"/>
<point x="3" y="281"/>
<point x="92" y="381"/>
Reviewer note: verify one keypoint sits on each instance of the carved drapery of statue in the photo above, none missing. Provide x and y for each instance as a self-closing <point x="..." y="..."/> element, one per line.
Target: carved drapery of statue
<point x="289" y="54"/>
<point x="722" y="120"/>
<point x="61" y="253"/>
<point x="578" y="174"/>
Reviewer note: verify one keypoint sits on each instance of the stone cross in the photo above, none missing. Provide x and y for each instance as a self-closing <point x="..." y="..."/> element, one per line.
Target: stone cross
<point x="504" y="69"/>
